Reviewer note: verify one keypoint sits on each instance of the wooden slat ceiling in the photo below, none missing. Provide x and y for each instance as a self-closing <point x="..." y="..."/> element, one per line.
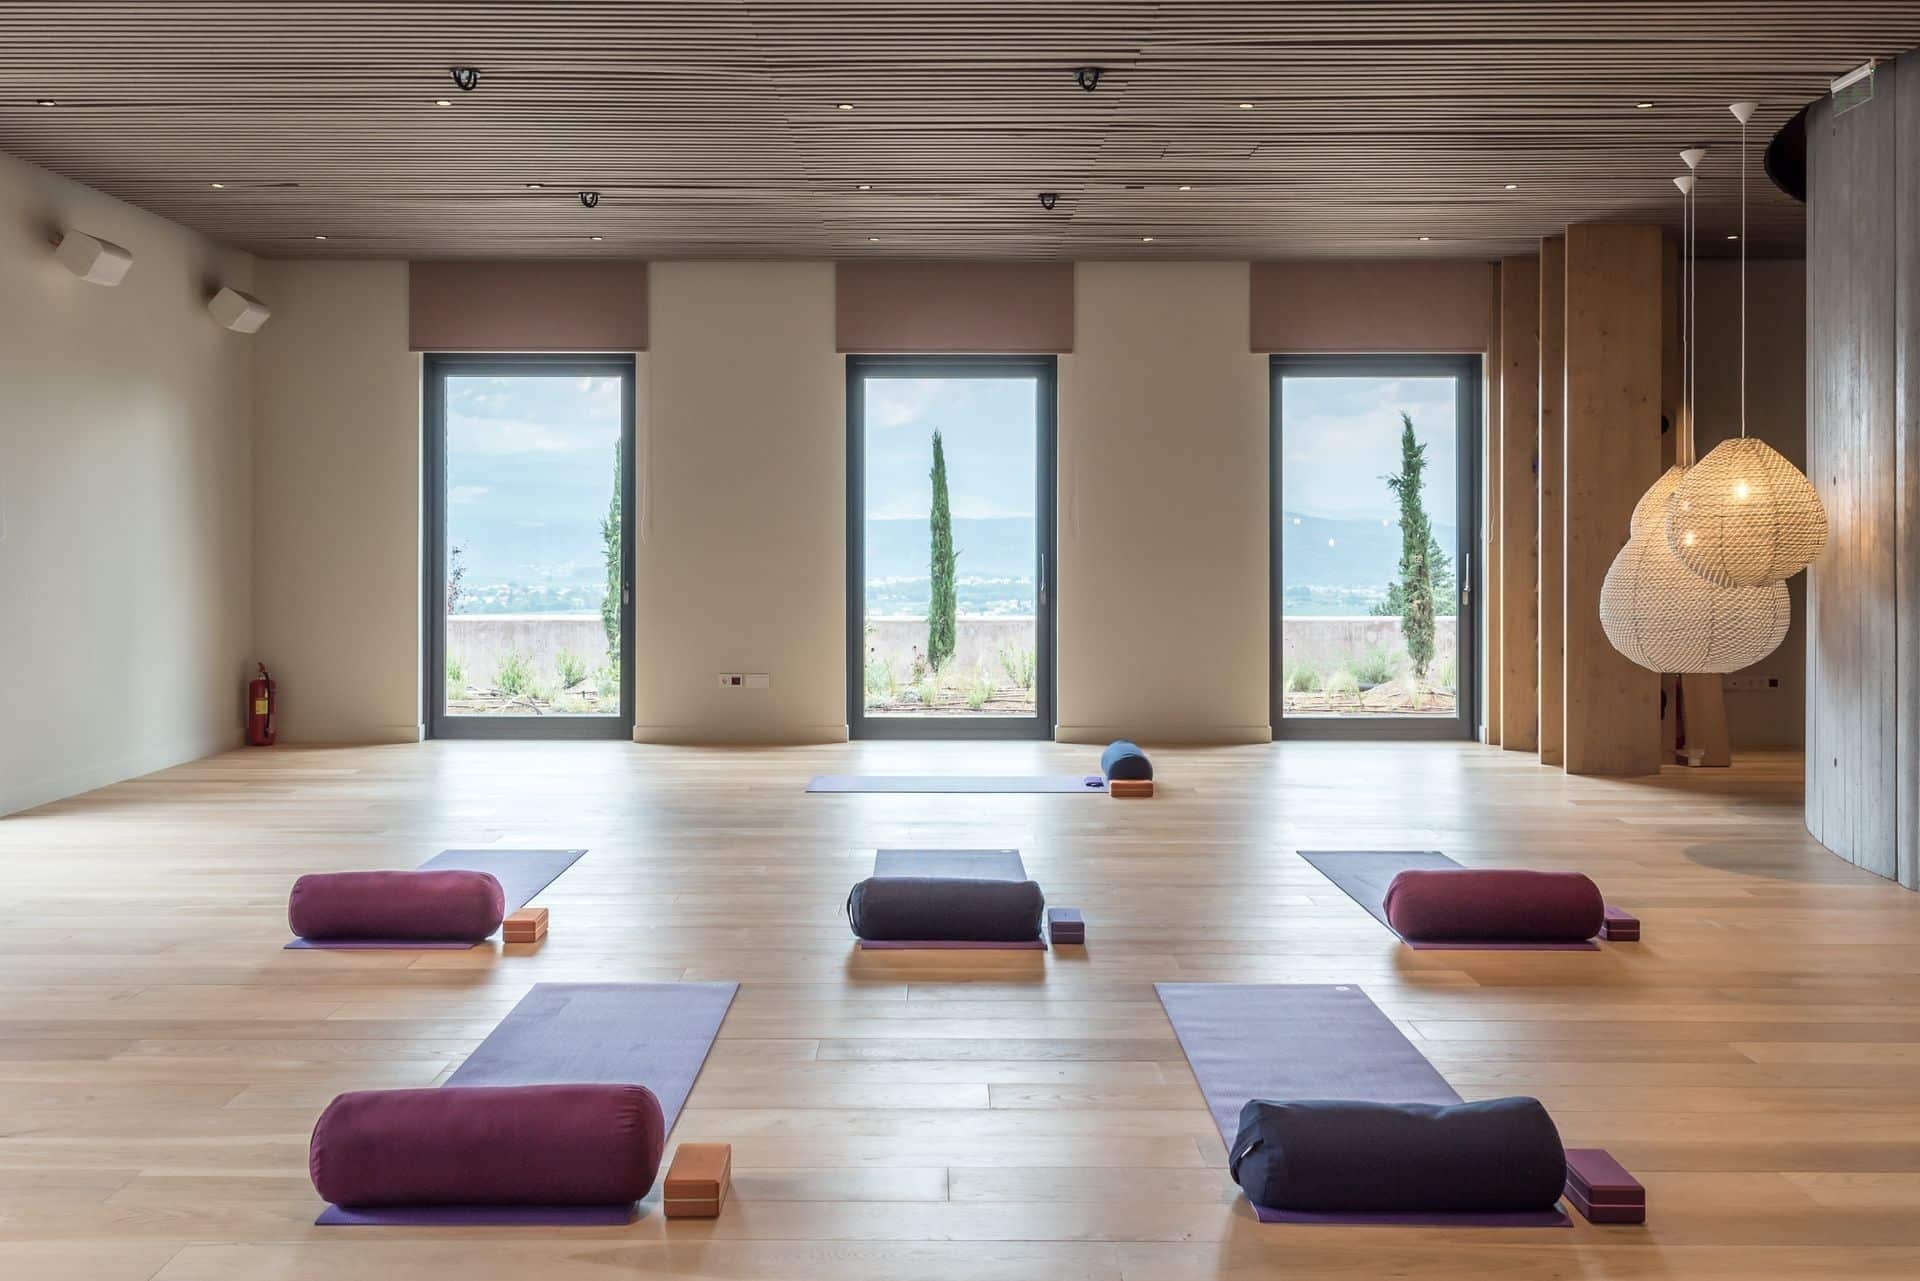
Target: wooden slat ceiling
<point x="713" y="130"/>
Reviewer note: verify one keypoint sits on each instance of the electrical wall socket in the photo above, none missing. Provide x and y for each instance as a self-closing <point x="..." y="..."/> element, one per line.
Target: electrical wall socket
<point x="732" y="680"/>
<point x="745" y="680"/>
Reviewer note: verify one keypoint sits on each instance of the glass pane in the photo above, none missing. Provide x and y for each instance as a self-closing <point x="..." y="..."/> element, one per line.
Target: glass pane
<point x="533" y="546"/>
<point x="1368" y="612"/>
<point x="951" y="552"/>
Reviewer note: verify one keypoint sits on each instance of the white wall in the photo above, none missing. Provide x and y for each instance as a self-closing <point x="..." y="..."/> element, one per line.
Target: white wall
<point x="1164" y="480"/>
<point x="125" y="456"/>
<point x="336" y="471"/>
<point x="741" y="523"/>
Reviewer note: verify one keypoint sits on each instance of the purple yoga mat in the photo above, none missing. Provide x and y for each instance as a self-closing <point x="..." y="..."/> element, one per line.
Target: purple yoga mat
<point x="1093" y="784"/>
<point x="485" y="1216"/>
<point x="522" y="874"/>
<point x="961" y="865"/>
<point x="651" y="1034"/>
<point x="1309" y="1041"/>
<point x="1364" y="875"/>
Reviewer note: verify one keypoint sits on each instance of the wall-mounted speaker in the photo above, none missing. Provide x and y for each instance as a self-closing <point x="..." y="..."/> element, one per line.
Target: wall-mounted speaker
<point x="242" y="313"/>
<point x="96" y="261"/>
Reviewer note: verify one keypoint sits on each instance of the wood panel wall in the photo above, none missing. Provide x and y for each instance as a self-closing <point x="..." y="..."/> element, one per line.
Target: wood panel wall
<point x="1863" y="360"/>
<point x="1491" y="523"/>
<point x="1520" y="504"/>
<point x="1613" y="396"/>
<point x="1552" y="547"/>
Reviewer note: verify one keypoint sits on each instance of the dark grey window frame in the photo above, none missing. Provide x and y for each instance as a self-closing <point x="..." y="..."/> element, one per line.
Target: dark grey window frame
<point x="1467" y="370"/>
<point x="435" y="367"/>
<point x="1044" y="371"/>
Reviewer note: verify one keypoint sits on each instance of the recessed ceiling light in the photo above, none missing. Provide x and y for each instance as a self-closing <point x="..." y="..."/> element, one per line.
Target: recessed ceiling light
<point x="1246" y="106"/>
<point x="1146" y="240"/>
<point x="1733" y="237"/>
<point x="865" y="186"/>
<point x="596" y="237"/>
<point x="319" y="237"/>
<point x="1643" y="106"/>
<point x="1186" y="187"/>
<point x="442" y="102"/>
<point x="872" y="240"/>
<point x="536" y="186"/>
<point x="845" y="106"/>
<point x="1513" y="186"/>
<point x="218" y="186"/>
<point x="45" y="102"/>
<point x="1425" y="239"/>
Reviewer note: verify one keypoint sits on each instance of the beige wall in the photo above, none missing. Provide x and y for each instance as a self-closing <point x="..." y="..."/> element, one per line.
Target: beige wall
<point x="1163" y="509"/>
<point x="337" y="488"/>
<point x="1777" y="414"/>
<point x="741" y="520"/>
<point x="124" y="512"/>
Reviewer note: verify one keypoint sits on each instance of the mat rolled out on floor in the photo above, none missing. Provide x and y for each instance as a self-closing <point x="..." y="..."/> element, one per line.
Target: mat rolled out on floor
<point x="933" y="884"/>
<point x="522" y="875"/>
<point x="655" y="1035"/>
<point x="1291" y="1041"/>
<point x="1091" y="784"/>
<point x="1365" y="875"/>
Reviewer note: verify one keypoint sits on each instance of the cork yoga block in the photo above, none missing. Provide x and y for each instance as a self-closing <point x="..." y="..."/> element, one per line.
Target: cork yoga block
<point x="696" y="1185"/>
<point x="528" y="925"/>
<point x="1130" y="788"/>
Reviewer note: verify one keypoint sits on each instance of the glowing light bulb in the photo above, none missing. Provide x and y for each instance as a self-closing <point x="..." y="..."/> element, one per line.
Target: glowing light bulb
<point x="1740" y="491"/>
<point x="1689" y="538"/>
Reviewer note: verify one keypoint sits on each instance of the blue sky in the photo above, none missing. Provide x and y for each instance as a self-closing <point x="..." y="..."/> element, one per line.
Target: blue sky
<point x="1340" y="436"/>
<point x="986" y="427"/>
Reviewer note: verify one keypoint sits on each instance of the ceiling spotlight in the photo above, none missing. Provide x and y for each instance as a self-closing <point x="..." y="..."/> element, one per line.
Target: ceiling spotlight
<point x="591" y="199"/>
<point x="1146" y="240"/>
<point x="1733" y="237"/>
<point x="1087" y="78"/>
<point x="844" y="106"/>
<point x="1513" y="186"/>
<point x="596" y="238"/>
<point x="45" y="102"/>
<point x="1425" y="239"/>
<point x="442" y="102"/>
<point x="873" y="240"/>
<point x="1186" y="187"/>
<point x="865" y="186"/>
<point x="1643" y="106"/>
<point x="1048" y="199"/>
<point x="319" y="237"/>
<point x="218" y="186"/>
<point x="1246" y="106"/>
<point x="536" y="186"/>
<point x="466" y="79"/>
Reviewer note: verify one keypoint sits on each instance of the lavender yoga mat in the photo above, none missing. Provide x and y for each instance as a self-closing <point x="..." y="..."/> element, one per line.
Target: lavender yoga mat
<point x="1309" y="1041"/>
<point x="521" y="873"/>
<point x="651" y="1034"/>
<point x="968" y="865"/>
<point x="1090" y="783"/>
<point x="1363" y="876"/>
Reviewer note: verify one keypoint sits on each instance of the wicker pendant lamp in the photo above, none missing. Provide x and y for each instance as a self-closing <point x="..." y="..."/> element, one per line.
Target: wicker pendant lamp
<point x="1745" y="515"/>
<point x="1655" y="610"/>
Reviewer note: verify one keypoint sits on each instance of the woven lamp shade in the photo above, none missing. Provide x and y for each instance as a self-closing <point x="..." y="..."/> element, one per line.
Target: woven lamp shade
<point x="1667" y="618"/>
<point x="1744" y="516"/>
<point x="1651" y="511"/>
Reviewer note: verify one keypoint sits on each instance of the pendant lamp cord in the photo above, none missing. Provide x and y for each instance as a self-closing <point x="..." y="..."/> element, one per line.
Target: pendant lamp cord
<point x="1743" y="279"/>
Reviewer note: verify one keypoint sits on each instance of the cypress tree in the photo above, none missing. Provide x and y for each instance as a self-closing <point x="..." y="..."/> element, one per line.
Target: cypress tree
<point x="940" y="609"/>
<point x="1416" y="548"/>
<point x="610" y="542"/>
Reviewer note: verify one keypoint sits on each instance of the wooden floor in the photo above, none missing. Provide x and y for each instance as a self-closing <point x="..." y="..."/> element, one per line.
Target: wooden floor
<point x="1019" y="1117"/>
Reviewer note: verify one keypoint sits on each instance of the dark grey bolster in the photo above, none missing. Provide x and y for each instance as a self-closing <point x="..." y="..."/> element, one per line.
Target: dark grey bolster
<point x="887" y="908"/>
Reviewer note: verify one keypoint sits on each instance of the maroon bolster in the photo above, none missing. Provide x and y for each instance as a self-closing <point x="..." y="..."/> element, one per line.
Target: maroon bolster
<point x="440" y="906"/>
<point x="1495" y="905"/>
<point x="488" y="1145"/>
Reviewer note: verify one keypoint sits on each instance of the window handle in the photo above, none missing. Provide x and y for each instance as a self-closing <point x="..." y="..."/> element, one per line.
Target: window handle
<point x="1466" y="578"/>
<point x="1043" y="578"/>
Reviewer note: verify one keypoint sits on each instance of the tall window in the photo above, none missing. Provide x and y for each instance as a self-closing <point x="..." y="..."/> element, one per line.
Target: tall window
<point x="950" y="547"/>
<point x="529" y="627"/>
<point x="1373" y="512"/>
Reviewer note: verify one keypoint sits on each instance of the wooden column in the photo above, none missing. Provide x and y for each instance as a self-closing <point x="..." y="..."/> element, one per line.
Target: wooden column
<point x="1489" y="549"/>
<point x="1553" y="520"/>
<point x="1520" y="504"/>
<point x="1613" y="395"/>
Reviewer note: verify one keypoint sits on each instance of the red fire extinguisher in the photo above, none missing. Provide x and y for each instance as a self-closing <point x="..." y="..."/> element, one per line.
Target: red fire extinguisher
<point x="260" y="700"/>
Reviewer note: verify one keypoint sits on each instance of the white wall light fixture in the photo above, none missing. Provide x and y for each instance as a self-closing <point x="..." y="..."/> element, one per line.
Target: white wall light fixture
<point x="242" y="313"/>
<point x="96" y="261"/>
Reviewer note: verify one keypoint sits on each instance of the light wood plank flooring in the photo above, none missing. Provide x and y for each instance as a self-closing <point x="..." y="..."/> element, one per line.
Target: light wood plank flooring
<point x="1018" y="1116"/>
